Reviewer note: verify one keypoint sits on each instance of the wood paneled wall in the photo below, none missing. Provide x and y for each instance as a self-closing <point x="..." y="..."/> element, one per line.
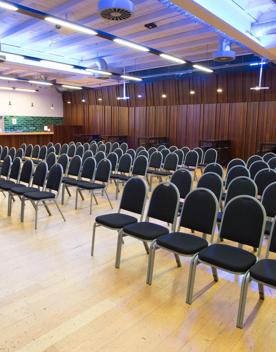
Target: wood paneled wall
<point x="245" y="117"/>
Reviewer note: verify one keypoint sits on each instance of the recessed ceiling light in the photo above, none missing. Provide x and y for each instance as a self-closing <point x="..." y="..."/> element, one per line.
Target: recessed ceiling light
<point x="219" y="90"/>
<point x="83" y="100"/>
<point x="99" y="72"/>
<point x="70" y="25"/>
<point x="99" y="99"/>
<point x="172" y="58"/>
<point x="131" y="78"/>
<point x="139" y="96"/>
<point x="68" y="102"/>
<point x="203" y="68"/>
<point x="42" y="83"/>
<point x="71" y="87"/>
<point x="130" y="44"/>
<point x="6" y="6"/>
<point x="25" y="90"/>
<point x="192" y="92"/>
<point x="164" y="96"/>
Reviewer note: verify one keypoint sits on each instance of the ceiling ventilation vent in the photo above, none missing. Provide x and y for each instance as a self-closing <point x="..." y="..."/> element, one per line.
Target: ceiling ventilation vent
<point x="115" y="10"/>
<point x="224" y="54"/>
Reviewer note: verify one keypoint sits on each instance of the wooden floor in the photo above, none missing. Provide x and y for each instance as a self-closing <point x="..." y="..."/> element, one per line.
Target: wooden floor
<point x="56" y="298"/>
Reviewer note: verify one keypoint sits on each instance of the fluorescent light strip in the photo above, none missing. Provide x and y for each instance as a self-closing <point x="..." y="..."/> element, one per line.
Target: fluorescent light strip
<point x="99" y="72"/>
<point x="43" y="83"/>
<point x="70" y="25"/>
<point x="203" y="68"/>
<point x="172" y="58"/>
<point x="131" y="78"/>
<point x="6" y="88"/>
<point x="6" y="6"/>
<point x="71" y="87"/>
<point x="25" y="90"/>
<point x="130" y="44"/>
<point x="56" y="65"/>
<point x="3" y="78"/>
<point x="259" y="88"/>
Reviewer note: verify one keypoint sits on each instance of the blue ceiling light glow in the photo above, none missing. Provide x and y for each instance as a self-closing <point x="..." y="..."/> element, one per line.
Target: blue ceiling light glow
<point x="258" y="63"/>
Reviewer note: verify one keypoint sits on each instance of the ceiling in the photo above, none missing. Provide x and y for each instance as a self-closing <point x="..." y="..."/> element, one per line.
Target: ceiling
<point x="178" y="33"/>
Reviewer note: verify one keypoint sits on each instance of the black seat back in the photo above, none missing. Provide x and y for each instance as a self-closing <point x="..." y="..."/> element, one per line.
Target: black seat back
<point x="29" y="150"/>
<point x="50" y="144"/>
<point x="113" y="158"/>
<point x="115" y="145"/>
<point x="272" y="163"/>
<point x="264" y="178"/>
<point x="64" y="149"/>
<point x="171" y="162"/>
<point x="124" y="147"/>
<point x="6" y="167"/>
<point x="63" y="160"/>
<point x="15" y="169"/>
<point x="23" y="146"/>
<point x="54" y="178"/>
<point x="40" y="174"/>
<point x="210" y="156"/>
<point x="36" y="151"/>
<point x="235" y="172"/>
<point x="12" y="152"/>
<point x="199" y="211"/>
<point x="51" y="160"/>
<point x="132" y="153"/>
<point x="183" y="180"/>
<point x="252" y="160"/>
<point x="86" y="146"/>
<point x="108" y="146"/>
<point x="268" y="200"/>
<point x="19" y="153"/>
<point x="213" y="182"/>
<point x="268" y="156"/>
<point x="191" y="159"/>
<point x="234" y="162"/>
<point x="125" y="163"/>
<point x="99" y="156"/>
<point x="87" y="154"/>
<point x="80" y="151"/>
<point x="173" y="148"/>
<point x="151" y="151"/>
<point x="135" y="189"/>
<point x="164" y="203"/>
<point x="140" y="166"/>
<point x="200" y="154"/>
<point x="74" y="166"/>
<point x="156" y="160"/>
<point x="102" y="148"/>
<point x="5" y="152"/>
<point x="215" y="168"/>
<point x="72" y="150"/>
<point x="164" y="153"/>
<point x="58" y="148"/>
<point x="272" y="244"/>
<point x="241" y="186"/>
<point x="50" y="150"/>
<point x="26" y="172"/>
<point x="161" y="147"/>
<point x="103" y="171"/>
<point x="143" y="153"/>
<point x="243" y="221"/>
<point x="180" y="155"/>
<point x="42" y="152"/>
<point x="119" y="152"/>
<point x="256" y="167"/>
<point x="185" y="150"/>
<point x="88" y="169"/>
<point x="139" y="149"/>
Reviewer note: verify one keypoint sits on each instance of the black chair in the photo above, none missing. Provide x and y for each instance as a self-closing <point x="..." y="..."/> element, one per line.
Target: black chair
<point x="263" y="272"/>
<point x="41" y="156"/>
<point x="48" y="194"/>
<point x="50" y="150"/>
<point x="19" y="153"/>
<point x="102" y="148"/>
<point x="139" y="149"/>
<point x="70" y="179"/>
<point x="163" y="207"/>
<point x="160" y="148"/>
<point x="256" y="167"/>
<point x="124" y="168"/>
<point x="1" y="149"/>
<point x="264" y="178"/>
<point x="119" y="153"/>
<point x="13" y="176"/>
<point x="268" y="201"/>
<point x="50" y="144"/>
<point x="272" y="163"/>
<point x="234" y="162"/>
<point x="99" y="156"/>
<point x="94" y="148"/>
<point x="24" y="181"/>
<point x="5" y="169"/>
<point x="87" y="154"/>
<point x="72" y="151"/>
<point x="199" y="214"/>
<point x="234" y="172"/>
<point x="210" y="157"/>
<point x="24" y="147"/>
<point x="133" y="201"/>
<point x="200" y="154"/>
<point x="12" y="152"/>
<point x="252" y="160"/>
<point x="183" y="180"/>
<point x="29" y="151"/>
<point x="100" y="182"/>
<point x="124" y="147"/>
<point x="191" y="161"/>
<point x="4" y="153"/>
<point x="115" y="146"/>
<point x="212" y="182"/>
<point x="168" y="168"/>
<point x="243" y="223"/>
<point x="140" y="167"/>
<point x="214" y="167"/>
<point x="268" y="156"/>
<point x="155" y="163"/>
<point x="151" y="151"/>
<point x="78" y="144"/>
<point x="113" y="158"/>
<point x="58" y="148"/>
<point x="63" y="160"/>
<point x="108" y="146"/>
<point x="143" y="153"/>
<point x="185" y="150"/>
<point x="80" y="151"/>
<point x="180" y="155"/>
<point x="37" y="184"/>
<point x="173" y="148"/>
<point x="132" y="153"/>
<point x="165" y="152"/>
<point x="51" y="160"/>
<point x="86" y="147"/>
<point x="64" y="149"/>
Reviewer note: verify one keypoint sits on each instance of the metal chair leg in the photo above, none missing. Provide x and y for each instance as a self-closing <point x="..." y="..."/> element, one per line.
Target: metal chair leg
<point x="61" y="213"/>
<point x="95" y="199"/>
<point x="215" y="273"/>
<point x="146" y="246"/>
<point x="22" y="209"/>
<point x="261" y="291"/>
<point x="177" y="259"/>
<point x="62" y="194"/>
<point x="9" y="204"/>
<point x="151" y="263"/>
<point x="91" y="197"/>
<point x="82" y="197"/>
<point x="76" y="199"/>
<point x="47" y="208"/>
<point x="36" y="214"/>
<point x="107" y="196"/>
<point x="93" y="239"/>
<point x="191" y="280"/>
<point x="119" y="250"/>
<point x="68" y="191"/>
<point x="242" y="301"/>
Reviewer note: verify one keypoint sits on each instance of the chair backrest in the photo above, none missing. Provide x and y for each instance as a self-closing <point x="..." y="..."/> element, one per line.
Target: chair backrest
<point x="132" y="153"/>
<point x="99" y="156"/>
<point x="241" y="186"/>
<point x="5" y="152"/>
<point x="213" y="182"/>
<point x="23" y="146"/>
<point x="29" y="150"/>
<point x="156" y="160"/>
<point x="26" y="172"/>
<point x="210" y="156"/>
<point x="139" y="149"/>
<point x="271" y="247"/>
<point x="57" y="148"/>
<point x="54" y="178"/>
<point x="272" y="163"/>
<point x="40" y="174"/>
<point x="160" y="147"/>
<point x="50" y="144"/>
<point x="74" y="166"/>
<point x="264" y="178"/>
<point x="113" y="158"/>
<point x="191" y="159"/>
<point x="199" y="212"/>
<point x="19" y="153"/>
<point x="268" y="156"/>
<point x="125" y="163"/>
<point x="268" y="200"/>
<point x="134" y="195"/>
<point x="35" y="152"/>
<point x="164" y="203"/>
<point x="173" y="148"/>
<point x="86" y="146"/>
<point x="6" y="167"/>
<point x="87" y="154"/>
<point x="88" y="169"/>
<point x="185" y="150"/>
<point x="15" y="169"/>
<point x="124" y="147"/>
<point x="119" y="152"/>
<point x="115" y="145"/>
<point x="151" y="150"/>
<point x="64" y="149"/>
<point x="102" y="148"/>
<point x="180" y="155"/>
<point x="51" y="149"/>
<point x="80" y="150"/>
<point x="164" y="153"/>
<point x="234" y="162"/>
<point x="140" y="166"/>
<point x="200" y="154"/>
<point x="256" y="167"/>
<point x="103" y="171"/>
<point x="51" y="160"/>
<point x="243" y="221"/>
<point x="171" y="162"/>
<point x="215" y="168"/>
<point x="143" y="153"/>
<point x="42" y="152"/>
<point x="72" y="150"/>
<point x="12" y="152"/>
<point x="71" y="142"/>
<point x="183" y="180"/>
<point x="235" y="172"/>
<point x="94" y="148"/>
<point x="108" y="146"/>
<point x="78" y="144"/>
<point x="1" y="149"/>
<point x="63" y="160"/>
<point x="252" y="160"/>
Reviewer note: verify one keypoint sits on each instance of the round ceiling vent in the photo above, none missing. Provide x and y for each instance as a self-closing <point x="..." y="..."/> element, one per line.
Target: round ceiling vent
<point x="115" y="10"/>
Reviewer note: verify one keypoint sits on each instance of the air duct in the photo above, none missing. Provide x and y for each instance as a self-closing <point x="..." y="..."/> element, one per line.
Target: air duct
<point x="260" y="29"/>
<point x="115" y="10"/>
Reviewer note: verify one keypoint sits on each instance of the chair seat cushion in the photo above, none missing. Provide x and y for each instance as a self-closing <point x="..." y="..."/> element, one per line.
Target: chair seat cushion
<point x="39" y="195"/>
<point x="18" y="189"/>
<point x="37" y="161"/>
<point x="161" y="173"/>
<point x="265" y="271"/>
<point x="228" y="257"/>
<point x="146" y="230"/>
<point x="89" y="185"/>
<point x="116" y="220"/>
<point x="116" y="176"/>
<point x="70" y="181"/>
<point x="6" y="185"/>
<point x="124" y="178"/>
<point x="182" y="242"/>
